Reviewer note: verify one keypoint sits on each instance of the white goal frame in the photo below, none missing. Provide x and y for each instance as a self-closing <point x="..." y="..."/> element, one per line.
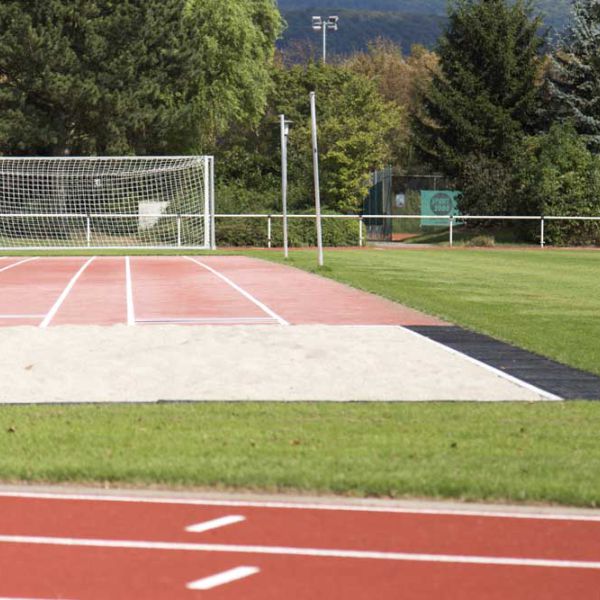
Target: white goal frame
<point x="67" y="203"/>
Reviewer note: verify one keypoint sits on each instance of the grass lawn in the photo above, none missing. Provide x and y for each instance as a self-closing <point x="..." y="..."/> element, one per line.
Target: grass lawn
<point x="545" y="301"/>
<point x="518" y="452"/>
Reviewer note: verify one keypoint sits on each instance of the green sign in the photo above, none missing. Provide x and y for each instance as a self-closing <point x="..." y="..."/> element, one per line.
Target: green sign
<point x="440" y="203"/>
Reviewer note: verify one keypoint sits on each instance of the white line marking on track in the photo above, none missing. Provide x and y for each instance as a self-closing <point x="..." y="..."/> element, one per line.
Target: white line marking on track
<point x="52" y="312"/>
<point x="20" y="262"/>
<point x="310" y="552"/>
<point x="502" y="374"/>
<point x="208" y="583"/>
<point x="129" y="291"/>
<point x="209" y="320"/>
<point x="215" y="523"/>
<point x="492" y="514"/>
<point x="243" y="292"/>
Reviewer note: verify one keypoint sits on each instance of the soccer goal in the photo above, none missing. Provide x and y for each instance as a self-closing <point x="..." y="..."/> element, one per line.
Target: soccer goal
<point x="106" y="202"/>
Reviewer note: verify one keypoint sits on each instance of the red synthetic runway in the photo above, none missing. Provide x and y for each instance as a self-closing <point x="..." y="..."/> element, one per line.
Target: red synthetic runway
<point x="78" y="547"/>
<point x="211" y="290"/>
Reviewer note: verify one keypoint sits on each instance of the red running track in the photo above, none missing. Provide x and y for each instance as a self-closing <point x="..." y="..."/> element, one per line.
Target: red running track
<point x="211" y="290"/>
<point x="86" y="548"/>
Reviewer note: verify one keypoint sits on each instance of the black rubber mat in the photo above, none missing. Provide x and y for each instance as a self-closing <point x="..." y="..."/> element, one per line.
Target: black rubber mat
<point x="546" y="374"/>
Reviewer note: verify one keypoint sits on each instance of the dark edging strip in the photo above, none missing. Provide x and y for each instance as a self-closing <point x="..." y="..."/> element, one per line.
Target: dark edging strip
<point x="553" y="377"/>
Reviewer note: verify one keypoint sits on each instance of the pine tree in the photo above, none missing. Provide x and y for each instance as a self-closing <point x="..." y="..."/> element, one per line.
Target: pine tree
<point x="575" y="77"/>
<point x="482" y="101"/>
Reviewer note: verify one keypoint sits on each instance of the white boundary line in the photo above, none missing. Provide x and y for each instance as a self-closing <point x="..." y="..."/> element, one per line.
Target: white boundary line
<point x="52" y="312"/>
<point x="209" y="320"/>
<point x="502" y="374"/>
<point x="208" y="583"/>
<point x="305" y="506"/>
<point x="16" y="264"/>
<point x="215" y="523"/>
<point x="309" y="552"/>
<point x="129" y="292"/>
<point x="243" y="292"/>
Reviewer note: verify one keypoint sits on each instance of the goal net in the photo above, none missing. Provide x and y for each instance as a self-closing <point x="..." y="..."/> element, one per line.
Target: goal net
<point x="126" y="202"/>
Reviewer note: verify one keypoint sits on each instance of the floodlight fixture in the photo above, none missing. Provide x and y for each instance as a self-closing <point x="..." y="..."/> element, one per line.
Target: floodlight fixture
<point x="325" y="24"/>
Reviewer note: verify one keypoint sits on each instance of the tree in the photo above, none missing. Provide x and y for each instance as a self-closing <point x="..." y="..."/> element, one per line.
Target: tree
<point x="575" y="75"/>
<point x="559" y="177"/>
<point x="354" y="123"/>
<point x="399" y="80"/>
<point x="483" y="99"/>
<point x="129" y="77"/>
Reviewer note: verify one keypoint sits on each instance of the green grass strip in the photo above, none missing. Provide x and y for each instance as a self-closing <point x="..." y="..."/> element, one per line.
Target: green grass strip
<point x="545" y="301"/>
<point x="515" y="452"/>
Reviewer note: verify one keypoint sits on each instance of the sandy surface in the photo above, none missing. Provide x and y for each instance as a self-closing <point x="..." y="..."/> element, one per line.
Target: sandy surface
<point x="151" y="363"/>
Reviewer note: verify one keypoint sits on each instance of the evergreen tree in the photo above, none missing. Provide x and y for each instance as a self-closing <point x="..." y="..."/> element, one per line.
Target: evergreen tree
<point x="482" y="101"/>
<point x="575" y="77"/>
<point x="129" y="76"/>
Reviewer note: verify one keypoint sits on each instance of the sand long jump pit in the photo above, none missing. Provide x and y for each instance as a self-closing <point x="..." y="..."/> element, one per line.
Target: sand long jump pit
<point x="148" y="329"/>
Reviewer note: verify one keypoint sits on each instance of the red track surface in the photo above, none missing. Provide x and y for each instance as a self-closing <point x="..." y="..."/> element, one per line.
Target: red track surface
<point x="198" y="290"/>
<point x="98" y="549"/>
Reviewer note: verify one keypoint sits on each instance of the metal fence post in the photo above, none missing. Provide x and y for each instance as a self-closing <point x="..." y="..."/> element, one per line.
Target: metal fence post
<point x="542" y="232"/>
<point x="269" y="231"/>
<point x="361" y="240"/>
<point x="451" y="231"/>
<point x="88" y="231"/>
<point x="179" y="230"/>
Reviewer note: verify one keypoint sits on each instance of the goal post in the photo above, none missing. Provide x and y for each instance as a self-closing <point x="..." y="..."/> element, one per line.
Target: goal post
<point x="106" y="202"/>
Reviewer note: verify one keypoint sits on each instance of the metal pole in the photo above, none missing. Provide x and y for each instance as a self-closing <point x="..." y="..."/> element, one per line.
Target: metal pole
<point x="269" y="231"/>
<point x="542" y="233"/>
<point x="179" y="230"/>
<point x="284" y="185"/>
<point x="88" y="231"/>
<point x="451" y="231"/>
<point x="313" y="113"/>
<point x="213" y="231"/>
<point x="324" y="42"/>
<point x="361" y="241"/>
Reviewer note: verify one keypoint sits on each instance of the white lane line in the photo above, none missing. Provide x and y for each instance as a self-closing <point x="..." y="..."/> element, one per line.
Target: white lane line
<point x="310" y="552"/>
<point x="208" y="583"/>
<point x="52" y="312"/>
<point x="491" y="514"/>
<point x="215" y="524"/>
<point x="210" y="320"/>
<point x="129" y="291"/>
<point x="502" y="374"/>
<point x="20" y="262"/>
<point x="240" y="290"/>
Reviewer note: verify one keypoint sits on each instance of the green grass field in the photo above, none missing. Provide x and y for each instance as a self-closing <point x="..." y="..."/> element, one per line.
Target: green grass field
<point x="546" y="301"/>
<point x="518" y="452"/>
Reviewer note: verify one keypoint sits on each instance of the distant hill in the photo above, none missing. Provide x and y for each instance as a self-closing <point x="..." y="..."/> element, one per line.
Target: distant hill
<point x="405" y="22"/>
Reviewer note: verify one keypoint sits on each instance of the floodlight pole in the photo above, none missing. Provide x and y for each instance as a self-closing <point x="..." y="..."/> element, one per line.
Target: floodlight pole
<point x="285" y="129"/>
<point x="313" y="113"/>
<point x="323" y="24"/>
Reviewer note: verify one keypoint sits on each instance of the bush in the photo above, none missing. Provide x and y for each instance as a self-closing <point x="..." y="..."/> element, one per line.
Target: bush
<point x="249" y="231"/>
<point x="481" y="241"/>
<point x="561" y="177"/>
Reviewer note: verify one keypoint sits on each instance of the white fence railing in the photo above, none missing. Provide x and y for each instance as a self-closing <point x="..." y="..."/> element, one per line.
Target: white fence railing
<point x="449" y="221"/>
<point x="92" y="230"/>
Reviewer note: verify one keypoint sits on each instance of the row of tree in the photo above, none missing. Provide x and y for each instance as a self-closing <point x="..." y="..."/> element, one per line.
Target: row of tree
<point x="515" y="126"/>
